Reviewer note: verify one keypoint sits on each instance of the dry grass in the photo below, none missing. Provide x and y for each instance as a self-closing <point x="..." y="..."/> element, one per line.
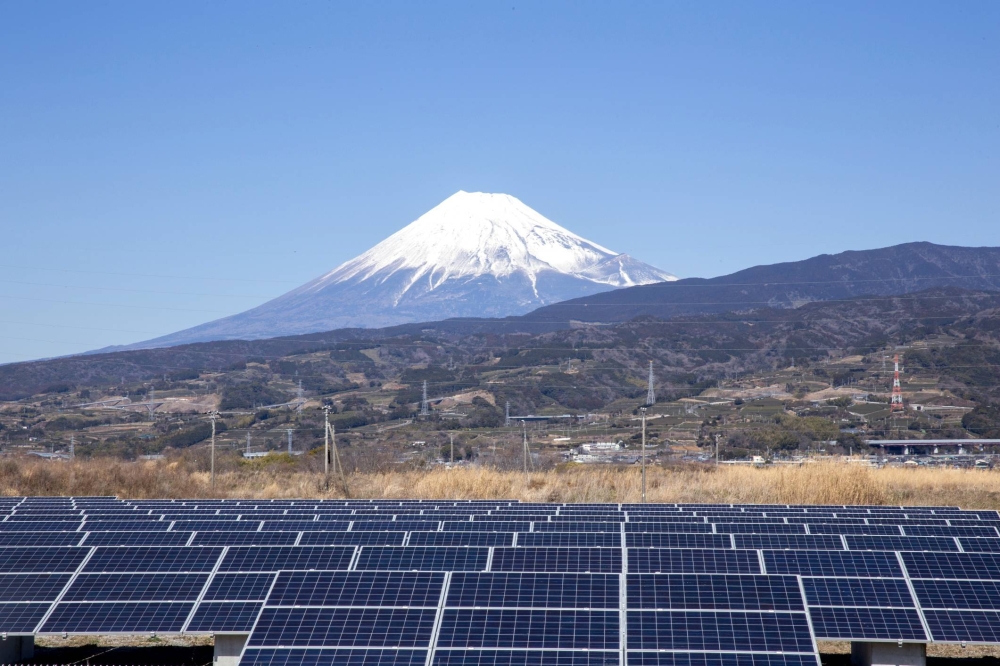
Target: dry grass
<point x="827" y="483"/>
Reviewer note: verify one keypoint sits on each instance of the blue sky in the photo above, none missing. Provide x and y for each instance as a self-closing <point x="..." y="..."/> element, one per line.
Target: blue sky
<point x="164" y="164"/>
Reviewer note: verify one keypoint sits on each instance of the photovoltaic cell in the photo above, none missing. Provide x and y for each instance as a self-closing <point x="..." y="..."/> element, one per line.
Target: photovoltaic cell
<point x="32" y="587"/>
<point x="333" y="657"/>
<point x="964" y="626"/>
<point x="832" y="563"/>
<point x="857" y="592"/>
<point x="41" y="560"/>
<point x="603" y="560"/>
<point x="344" y="627"/>
<point x="21" y="618"/>
<point x="713" y="592"/>
<point x="239" y="587"/>
<point x="533" y="590"/>
<point x="245" y="538"/>
<point x="122" y="559"/>
<point x="720" y="659"/>
<point x="224" y="616"/>
<point x="958" y="594"/>
<point x="136" y="587"/>
<point x="498" y="628"/>
<point x="943" y="544"/>
<point x="971" y="566"/>
<point x="357" y="588"/>
<point x="867" y="623"/>
<point x="352" y="538"/>
<point x="91" y="618"/>
<point x="647" y="540"/>
<point x="525" y="658"/>
<point x="276" y="558"/>
<point x="422" y="558"/>
<point x="481" y="539"/>
<point x="745" y="631"/>
<point x="669" y="560"/>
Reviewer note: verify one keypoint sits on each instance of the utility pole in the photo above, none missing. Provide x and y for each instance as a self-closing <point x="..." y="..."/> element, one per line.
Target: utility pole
<point x="212" y="416"/>
<point x="524" y="430"/>
<point x="643" y="410"/>
<point x="506" y="421"/>
<point x="72" y="447"/>
<point x="326" y="444"/>
<point x="248" y="443"/>
<point x="289" y="441"/>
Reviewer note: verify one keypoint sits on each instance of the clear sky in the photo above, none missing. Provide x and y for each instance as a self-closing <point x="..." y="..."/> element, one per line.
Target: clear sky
<point x="167" y="163"/>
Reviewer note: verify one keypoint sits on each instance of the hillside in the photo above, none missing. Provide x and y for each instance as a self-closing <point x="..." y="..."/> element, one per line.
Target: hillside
<point x="900" y="269"/>
<point x="768" y="379"/>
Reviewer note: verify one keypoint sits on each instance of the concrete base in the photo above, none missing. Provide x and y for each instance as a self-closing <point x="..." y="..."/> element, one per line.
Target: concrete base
<point x="16" y="648"/>
<point x="228" y="648"/>
<point x="888" y="654"/>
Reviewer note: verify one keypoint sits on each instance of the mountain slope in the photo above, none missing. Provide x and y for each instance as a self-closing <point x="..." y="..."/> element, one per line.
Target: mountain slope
<point x="473" y="255"/>
<point x="887" y="271"/>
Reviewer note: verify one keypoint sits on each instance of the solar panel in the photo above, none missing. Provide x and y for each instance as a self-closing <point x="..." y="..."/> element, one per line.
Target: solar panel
<point x="136" y="538"/>
<point x="662" y="528"/>
<point x="530" y="628"/>
<point x="40" y="538"/>
<point x="713" y="592"/>
<point x="867" y="623"/>
<point x="136" y="587"/>
<point x="958" y="594"/>
<point x="239" y="587"/>
<point x="245" y="538"/>
<point x="854" y="529"/>
<point x="648" y="540"/>
<point x="980" y="545"/>
<point x="567" y="539"/>
<point x="944" y="530"/>
<point x="394" y="526"/>
<point x="344" y="627"/>
<point x="585" y="527"/>
<point x="333" y="657"/>
<point x="740" y="631"/>
<point x="526" y="658"/>
<point x="482" y="539"/>
<point x="357" y="588"/>
<point x="971" y="566"/>
<point x="486" y="526"/>
<point x="759" y="528"/>
<point x="892" y="592"/>
<point x="422" y="558"/>
<point x="276" y="558"/>
<point x="41" y="560"/>
<point x="217" y="525"/>
<point x="352" y="538"/>
<point x="855" y="542"/>
<point x="669" y="560"/>
<point x="533" y="590"/>
<point x="39" y="526"/>
<point x="964" y="626"/>
<point x="32" y="587"/>
<point x="125" y="526"/>
<point x="21" y="618"/>
<point x="832" y="563"/>
<point x="720" y="659"/>
<point x="603" y="560"/>
<point x="139" y="559"/>
<point x="789" y="541"/>
<point x="224" y="616"/>
<point x="115" y="617"/>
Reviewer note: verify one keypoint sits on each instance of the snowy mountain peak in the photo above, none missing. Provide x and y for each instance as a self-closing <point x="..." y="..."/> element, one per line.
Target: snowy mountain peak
<point x="473" y="255"/>
<point x="475" y="234"/>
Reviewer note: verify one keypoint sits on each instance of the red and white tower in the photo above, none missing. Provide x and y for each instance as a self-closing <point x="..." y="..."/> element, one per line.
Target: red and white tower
<point x="897" y="391"/>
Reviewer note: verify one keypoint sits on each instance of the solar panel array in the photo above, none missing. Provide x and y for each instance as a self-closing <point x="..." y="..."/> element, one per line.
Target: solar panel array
<point x="499" y="583"/>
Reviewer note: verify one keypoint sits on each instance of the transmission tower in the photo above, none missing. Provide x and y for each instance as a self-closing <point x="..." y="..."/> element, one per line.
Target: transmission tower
<point x="289" y="441"/>
<point x="506" y="420"/>
<point x="248" y="444"/>
<point x="300" y="394"/>
<point x="650" y="393"/>
<point x="897" y="391"/>
<point x="424" y="410"/>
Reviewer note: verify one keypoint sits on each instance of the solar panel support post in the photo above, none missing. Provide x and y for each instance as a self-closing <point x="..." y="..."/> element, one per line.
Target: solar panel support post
<point x="643" y="410"/>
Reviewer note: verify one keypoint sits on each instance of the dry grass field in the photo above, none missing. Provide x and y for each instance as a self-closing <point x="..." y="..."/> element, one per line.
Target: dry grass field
<point x="821" y="483"/>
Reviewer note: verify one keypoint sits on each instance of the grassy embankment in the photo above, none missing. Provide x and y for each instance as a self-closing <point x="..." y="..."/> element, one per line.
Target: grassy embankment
<point x="826" y="483"/>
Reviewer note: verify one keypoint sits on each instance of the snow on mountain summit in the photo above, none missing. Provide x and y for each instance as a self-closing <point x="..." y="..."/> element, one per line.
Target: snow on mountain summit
<point x="473" y="255"/>
<point x="471" y="234"/>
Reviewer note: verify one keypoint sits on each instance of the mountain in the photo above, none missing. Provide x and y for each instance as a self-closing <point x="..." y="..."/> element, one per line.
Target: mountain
<point x="473" y="255"/>
<point x="890" y="271"/>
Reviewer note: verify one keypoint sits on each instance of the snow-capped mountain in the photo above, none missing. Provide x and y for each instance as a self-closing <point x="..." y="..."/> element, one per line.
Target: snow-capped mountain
<point x="473" y="255"/>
